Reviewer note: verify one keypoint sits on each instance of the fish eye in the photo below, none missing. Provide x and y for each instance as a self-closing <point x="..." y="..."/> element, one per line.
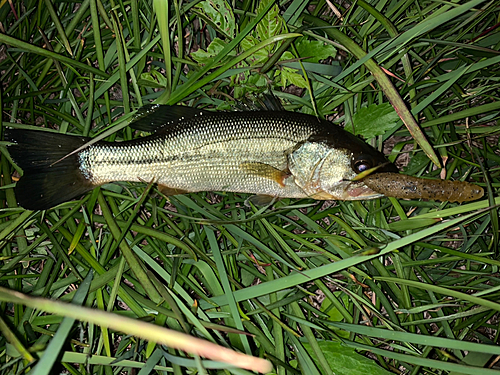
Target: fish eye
<point x="361" y="165"/>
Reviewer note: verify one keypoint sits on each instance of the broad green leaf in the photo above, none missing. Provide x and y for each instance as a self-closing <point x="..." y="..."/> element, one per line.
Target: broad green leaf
<point x="249" y="83"/>
<point x="417" y="161"/>
<point x="257" y="58"/>
<point x="314" y="50"/>
<point x="373" y="120"/>
<point x="345" y="361"/>
<point x="205" y="57"/>
<point x="153" y="78"/>
<point x="220" y="14"/>
<point x="334" y="313"/>
<point x="291" y="76"/>
<point x="272" y="24"/>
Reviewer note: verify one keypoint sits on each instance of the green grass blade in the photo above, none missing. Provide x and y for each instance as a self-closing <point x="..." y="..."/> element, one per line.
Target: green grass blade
<point x="51" y="55"/>
<point x="44" y="366"/>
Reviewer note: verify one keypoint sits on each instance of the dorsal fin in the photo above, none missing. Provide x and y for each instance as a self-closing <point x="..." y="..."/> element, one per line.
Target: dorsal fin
<point x="265" y="101"/>
<point x="271" y="102"/>
<point x="152" y="117"/>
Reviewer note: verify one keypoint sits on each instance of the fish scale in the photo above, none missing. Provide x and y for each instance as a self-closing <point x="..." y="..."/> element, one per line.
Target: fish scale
<point x="204" y="153"/>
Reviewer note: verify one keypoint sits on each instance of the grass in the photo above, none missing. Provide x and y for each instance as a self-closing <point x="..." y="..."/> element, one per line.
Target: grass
<point x="373" y="287"/>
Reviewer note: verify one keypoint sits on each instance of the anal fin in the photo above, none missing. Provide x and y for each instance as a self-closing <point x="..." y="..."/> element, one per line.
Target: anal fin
<point x="260" y="200"/>
<point x="168" y="191"/>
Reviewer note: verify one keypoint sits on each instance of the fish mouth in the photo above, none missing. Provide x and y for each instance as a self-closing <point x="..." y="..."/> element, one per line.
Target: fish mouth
<point x="347" y="191"/>
<point x="359" y="191"/>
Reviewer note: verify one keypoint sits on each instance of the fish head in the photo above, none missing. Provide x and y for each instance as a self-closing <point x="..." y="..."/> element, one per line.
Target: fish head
<point x="325" y="167"/>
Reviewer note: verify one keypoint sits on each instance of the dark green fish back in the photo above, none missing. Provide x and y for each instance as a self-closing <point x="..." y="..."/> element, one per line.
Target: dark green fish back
<point x="205" y="126"/>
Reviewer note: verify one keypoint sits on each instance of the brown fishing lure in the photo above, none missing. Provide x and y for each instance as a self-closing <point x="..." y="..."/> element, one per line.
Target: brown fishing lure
<point x="410" y="187"/>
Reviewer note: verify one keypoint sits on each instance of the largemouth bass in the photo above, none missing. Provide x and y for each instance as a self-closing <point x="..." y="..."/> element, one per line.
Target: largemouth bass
<point x="277" y="154"/>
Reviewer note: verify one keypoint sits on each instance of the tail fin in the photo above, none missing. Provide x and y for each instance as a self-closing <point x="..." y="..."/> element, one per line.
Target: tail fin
<point x="46" y="183"/>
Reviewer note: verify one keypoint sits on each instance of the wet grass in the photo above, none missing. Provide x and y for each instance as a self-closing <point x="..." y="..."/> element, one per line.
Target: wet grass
<point x="318" y="288"/>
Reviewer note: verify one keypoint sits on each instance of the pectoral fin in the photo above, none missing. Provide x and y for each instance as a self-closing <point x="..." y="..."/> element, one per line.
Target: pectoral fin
<point x="266" y="171"/>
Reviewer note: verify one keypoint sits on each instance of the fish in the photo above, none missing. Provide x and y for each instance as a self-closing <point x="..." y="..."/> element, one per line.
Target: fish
<point x="411" y="187"/>
<point x="275" y="154"/>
